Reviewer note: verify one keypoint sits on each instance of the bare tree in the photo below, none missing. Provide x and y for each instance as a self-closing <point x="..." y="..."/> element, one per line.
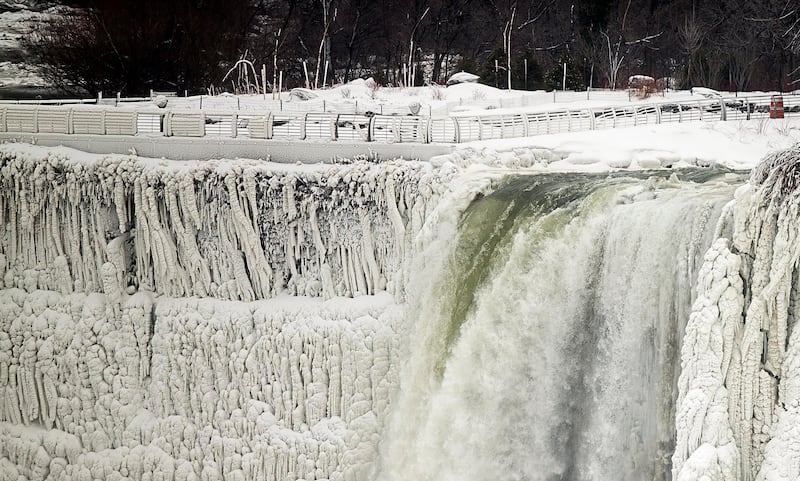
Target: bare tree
<point x="411" y="69"/>
<point x="134" y="46"/>
<point x="507" y="31"/>
<point x="691" y="34"/>
<point x="325" y="42"/>
<point x="618" y="48"/>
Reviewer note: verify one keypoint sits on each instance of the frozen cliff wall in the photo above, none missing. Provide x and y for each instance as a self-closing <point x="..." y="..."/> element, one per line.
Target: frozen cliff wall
<point x="266" y="390"/>
<point x="239" y="230"/>
<point x="739" y="402"/>
<point x="194" y="321"/>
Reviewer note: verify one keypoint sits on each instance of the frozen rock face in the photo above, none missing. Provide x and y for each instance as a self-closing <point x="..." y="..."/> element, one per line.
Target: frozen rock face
<point x="74" y="365"/>
<point x="738" y="406"/>
<point x="238" y="230"/>
<point x="285" y="391"/>
<point x="194" y="321"/>
<point x="274" y="390"/>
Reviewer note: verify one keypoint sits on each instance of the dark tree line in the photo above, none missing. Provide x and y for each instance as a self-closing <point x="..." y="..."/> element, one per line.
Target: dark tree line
<point x="136" y="45"/>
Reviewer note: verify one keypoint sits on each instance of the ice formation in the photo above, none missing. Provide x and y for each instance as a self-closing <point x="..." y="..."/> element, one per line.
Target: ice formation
<point x="739" y="398"/>
<point x="199" y="321"/>
<point x="239" y="230"/>
<point x="242" y="320"/>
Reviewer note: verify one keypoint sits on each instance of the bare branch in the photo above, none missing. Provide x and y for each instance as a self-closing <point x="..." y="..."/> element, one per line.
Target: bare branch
<point x="536" y="17"/>
<point x="646" y="39"/>
<point x="551" y="47"/>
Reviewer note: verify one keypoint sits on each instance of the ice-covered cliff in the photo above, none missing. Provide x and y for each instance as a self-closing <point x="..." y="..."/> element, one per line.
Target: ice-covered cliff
<point x="740" y="385"/>
<point x="218" y="320"/>
<point x="239" y="229"/>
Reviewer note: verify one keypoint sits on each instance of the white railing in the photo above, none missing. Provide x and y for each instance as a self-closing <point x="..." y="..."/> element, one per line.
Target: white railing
<point x="368" y="127"/>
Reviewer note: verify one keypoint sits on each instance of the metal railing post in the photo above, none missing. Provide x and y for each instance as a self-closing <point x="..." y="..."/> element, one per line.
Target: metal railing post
<point x="428" y="130"/>
<point x="371" y="128"/>
<point x="268" y="125"/>
<point x="166" y="126"/>
<point x="304" y="118"/>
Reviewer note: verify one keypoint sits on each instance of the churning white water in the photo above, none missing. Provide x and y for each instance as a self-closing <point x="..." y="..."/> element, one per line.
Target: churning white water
<point x="548" y="345"/>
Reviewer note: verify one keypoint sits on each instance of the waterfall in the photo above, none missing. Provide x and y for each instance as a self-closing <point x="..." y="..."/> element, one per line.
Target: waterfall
<point x="547" y="348"/>
<point x="396" y="321"/>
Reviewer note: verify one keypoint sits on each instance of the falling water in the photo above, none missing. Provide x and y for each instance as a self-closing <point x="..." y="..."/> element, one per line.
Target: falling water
<point x="548" y="345"/>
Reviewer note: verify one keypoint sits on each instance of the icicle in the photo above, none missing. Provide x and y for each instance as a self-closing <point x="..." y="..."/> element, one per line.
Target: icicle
<point x="120" y="204"/>
<point x="251" y="244"/>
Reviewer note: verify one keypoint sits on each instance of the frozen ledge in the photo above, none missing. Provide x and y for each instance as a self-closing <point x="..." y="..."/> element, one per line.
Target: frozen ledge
<point x="187" y="148"/>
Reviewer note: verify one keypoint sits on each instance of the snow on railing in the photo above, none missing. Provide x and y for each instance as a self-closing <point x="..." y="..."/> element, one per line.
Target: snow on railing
<point x="368" y="127"/>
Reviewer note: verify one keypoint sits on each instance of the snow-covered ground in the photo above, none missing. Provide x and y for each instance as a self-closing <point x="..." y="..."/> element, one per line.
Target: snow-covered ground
<point x="365" y="95"/>
<point x="736" y="145"/>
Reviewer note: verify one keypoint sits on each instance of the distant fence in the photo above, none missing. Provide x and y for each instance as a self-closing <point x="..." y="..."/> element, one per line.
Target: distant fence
<point x="369" y="127"/>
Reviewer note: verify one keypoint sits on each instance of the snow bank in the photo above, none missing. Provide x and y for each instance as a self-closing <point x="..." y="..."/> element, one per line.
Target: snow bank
<point x="462" y="77"/>
<point x="738" y="403"/>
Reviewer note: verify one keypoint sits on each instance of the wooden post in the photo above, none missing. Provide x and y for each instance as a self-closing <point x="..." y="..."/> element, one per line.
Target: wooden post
<point x="564" y="79"/>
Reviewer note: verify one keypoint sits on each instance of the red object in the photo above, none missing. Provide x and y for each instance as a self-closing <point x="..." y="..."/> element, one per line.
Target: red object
<point x="776" y="107"/>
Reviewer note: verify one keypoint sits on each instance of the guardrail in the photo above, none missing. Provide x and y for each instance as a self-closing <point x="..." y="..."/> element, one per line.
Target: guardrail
<point x="367" y="127"/>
